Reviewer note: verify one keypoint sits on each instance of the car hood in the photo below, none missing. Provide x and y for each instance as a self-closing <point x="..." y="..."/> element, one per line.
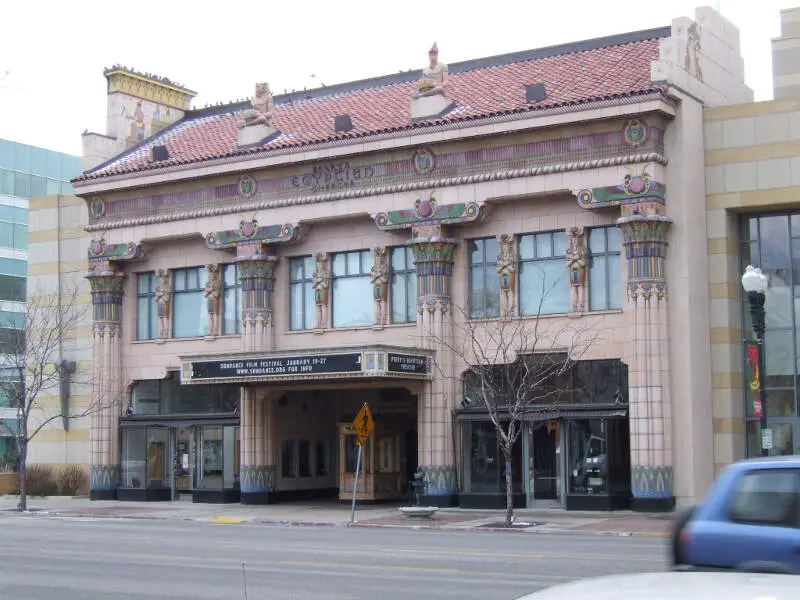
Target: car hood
<point x="676" y="586"/>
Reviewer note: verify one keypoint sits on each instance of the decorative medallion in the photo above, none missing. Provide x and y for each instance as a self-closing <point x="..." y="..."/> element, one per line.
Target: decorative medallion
<point x="97" y="207"/>
<point x="425" y="209"/>
<point x="97" y="247"/>
<point x="247" y="187"/>
<point x="635" y="133"/>
<point x="248" y="228"/>
<point x="636" y="184"/>
<point x="424" y="161"/>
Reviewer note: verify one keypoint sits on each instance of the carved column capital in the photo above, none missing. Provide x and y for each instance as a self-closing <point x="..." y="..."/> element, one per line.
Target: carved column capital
<point x="106" y="289"/>
<point x="645" y="241"/>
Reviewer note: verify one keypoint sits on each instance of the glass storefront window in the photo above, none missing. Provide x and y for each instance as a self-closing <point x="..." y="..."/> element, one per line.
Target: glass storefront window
<point x="157" y="458"/>
<point x="210" y="472"/>
<point x="587" y="456"/>
<point x="168" y="397"/>
<point x="323" y="459"/>
<point x="780" y="403"/>
<point x="484" y="471"/>
<point x="134" y="441"/>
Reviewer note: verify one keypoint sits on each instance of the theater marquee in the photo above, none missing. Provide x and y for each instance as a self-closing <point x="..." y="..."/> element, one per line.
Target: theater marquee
<point x="373" y="362"/>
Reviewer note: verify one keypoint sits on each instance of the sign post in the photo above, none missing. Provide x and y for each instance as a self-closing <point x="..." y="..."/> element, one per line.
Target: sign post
<point x="363" y="425"/>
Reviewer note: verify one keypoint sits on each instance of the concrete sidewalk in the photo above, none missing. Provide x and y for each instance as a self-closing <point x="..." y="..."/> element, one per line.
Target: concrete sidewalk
<point x="330" y="513"/>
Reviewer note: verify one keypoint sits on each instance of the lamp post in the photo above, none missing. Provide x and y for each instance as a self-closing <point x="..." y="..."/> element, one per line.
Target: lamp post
<point x="755" y="284"/>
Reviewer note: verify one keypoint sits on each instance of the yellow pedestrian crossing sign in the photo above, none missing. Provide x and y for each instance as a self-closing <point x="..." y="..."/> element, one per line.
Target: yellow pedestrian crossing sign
<point x="363" y="424"/>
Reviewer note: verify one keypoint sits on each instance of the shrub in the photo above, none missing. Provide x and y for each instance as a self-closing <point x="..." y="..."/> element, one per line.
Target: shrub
<point x="40" y="480"/>
<point x="71" y="480"/>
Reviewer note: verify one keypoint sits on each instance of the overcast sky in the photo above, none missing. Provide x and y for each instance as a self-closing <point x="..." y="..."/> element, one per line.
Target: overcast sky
<point x="52" y="52"/>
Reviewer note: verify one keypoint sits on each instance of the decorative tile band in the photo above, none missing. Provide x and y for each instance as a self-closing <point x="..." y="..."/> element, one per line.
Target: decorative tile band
<point x="440" y="480"/>
<point x="251" y="234"/>
<point x="652" y="482"/>
<point x="563" y="167"/>
<point x="428" y="212"/>
<point x="104" y="477"/>
<point x="257" y="480"/>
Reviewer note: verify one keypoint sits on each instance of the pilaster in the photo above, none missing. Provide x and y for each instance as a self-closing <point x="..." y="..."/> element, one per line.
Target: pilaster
<point x="256" y="273"/>
<point x="106" y="282"/>
<point x="257" y="474"/>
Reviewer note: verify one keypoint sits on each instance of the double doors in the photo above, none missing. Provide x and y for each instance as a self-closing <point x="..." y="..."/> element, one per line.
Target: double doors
<point x="543" y="451"/>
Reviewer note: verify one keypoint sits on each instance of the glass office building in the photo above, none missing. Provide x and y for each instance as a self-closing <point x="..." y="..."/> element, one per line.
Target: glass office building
<point x="25" y="172"/>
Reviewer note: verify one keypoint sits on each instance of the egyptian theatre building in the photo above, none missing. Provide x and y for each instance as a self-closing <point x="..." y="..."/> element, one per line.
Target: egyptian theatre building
<point x="259" y="270"/>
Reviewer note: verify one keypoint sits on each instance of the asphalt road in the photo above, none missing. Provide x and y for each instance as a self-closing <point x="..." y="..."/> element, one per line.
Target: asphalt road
<point x="46" y="558"/>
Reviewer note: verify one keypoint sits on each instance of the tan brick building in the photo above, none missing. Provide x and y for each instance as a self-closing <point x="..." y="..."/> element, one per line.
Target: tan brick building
<point x="260" y="270"/>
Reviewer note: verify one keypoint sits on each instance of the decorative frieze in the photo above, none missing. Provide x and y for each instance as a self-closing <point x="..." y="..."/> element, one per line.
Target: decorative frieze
<point x="250" y="233"/>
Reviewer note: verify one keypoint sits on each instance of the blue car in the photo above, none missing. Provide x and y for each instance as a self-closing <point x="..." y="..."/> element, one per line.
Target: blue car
<point x="750" y="520"/>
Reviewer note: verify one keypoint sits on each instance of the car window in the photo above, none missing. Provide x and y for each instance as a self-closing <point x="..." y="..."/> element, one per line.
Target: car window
<point x="767" y="497"/>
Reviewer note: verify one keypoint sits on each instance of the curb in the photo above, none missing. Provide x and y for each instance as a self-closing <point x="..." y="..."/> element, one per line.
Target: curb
<point x="298" y="523"/>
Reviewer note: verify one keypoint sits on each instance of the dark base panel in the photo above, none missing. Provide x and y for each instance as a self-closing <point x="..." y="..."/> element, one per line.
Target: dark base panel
<point x="144" y="495"/>
<point x="287" y="495"/>
<point x="369" y="502"/>
<point x="215" y="496"/>
<point x="102" y="494"/>
<point x="598" y="502"/>
<point x="493" y="501"/>
<point x="440" y="501"/>
<point x="653" y="504"/>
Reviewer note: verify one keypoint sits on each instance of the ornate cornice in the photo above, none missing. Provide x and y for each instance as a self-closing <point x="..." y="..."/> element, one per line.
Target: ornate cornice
<point x="639" y="158"/>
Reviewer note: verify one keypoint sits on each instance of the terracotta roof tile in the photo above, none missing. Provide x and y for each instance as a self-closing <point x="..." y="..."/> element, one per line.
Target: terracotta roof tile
<point x="571" y="78"/>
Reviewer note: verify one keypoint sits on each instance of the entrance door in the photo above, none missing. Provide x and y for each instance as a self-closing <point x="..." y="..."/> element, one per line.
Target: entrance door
<point x="182" y="479"/>
<point x="544" y="465"/>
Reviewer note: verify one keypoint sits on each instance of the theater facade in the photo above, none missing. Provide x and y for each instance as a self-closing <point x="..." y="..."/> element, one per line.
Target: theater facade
<point x="259" y="270"/>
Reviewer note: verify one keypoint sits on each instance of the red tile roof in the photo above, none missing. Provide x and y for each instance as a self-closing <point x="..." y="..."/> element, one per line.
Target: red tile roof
<point x="586" y="74"/>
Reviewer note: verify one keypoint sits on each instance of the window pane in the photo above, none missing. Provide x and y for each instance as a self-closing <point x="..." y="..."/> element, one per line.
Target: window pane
<point x="352" y="302"/>
<point x="544" y="245"/>
<point x="134" y="441"/>
<point x="475" y="251"/>
<point x="231" y="312"/>
<point x="353" y="264"/>
<point x="544" y="288"/>
<point x="614" y="282"/>
<point x="597" y="241"/>
<point x="398" y="259"/>
<point x="476" y="294"/>
<point x="779" y="358"/>
<point x="399" y="304"/>
<point x="322" y="463"/>
<point x="492" y="251"/>
<point x="230" y="276"/>
<point x="586" y="441"/>
<point x="613" y="239"/>
<point x="142" y="319"/>
<point x="411" y="295"/>
<point x="6" y="235"/>
<point x="288" y="459"/>
<point x="560" y="243"/>
<point x="781" y="403"/>
<point x="367" y="261"/>
<point x="597" y="283"/>
<point x="492" y="292"/>
<point x="38" y="186"/>
<point x="22" y="185"/>
<point x="190" y="318"/>
<point x="21" y="237"/>
<point x="310" y="310"/>
<point x="526" y="247"/>
<point x="304" y="458"/>
<point x="296" y="266"/>
<point x="179" y="280"/>
<point x="775" y="243"/>
<point x="339" y="265"/>
<point x="157" y="461"/>
<point x="53" y="187"/>
<point x="309" y="266"/>
<point x="410" y="259"/>
<point x="296" y="306"/>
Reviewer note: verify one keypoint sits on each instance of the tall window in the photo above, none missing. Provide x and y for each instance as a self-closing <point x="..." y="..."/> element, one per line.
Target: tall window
<point x="146" y="312"/>
<point x="352" y="291"/>
<point x="484" y="282"/>
<point x="605" y="278"/>
<point x="232" y="300"/>
<point x="303" y="311"/>
<point x="189" y="313"/>
<point x="543" y="276"/>
<point x="14" y="227"/>
<point x="404" y="286"/>
<point x="13" y="277"/>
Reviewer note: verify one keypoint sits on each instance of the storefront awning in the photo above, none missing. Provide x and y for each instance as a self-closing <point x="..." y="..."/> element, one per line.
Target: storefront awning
<point x="384" y="362"/>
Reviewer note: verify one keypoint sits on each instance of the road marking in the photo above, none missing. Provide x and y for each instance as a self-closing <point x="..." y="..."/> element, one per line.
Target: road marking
<point x="228" y="520"/>
<point x="409" y="569"/>
<point x="615" y="558"/>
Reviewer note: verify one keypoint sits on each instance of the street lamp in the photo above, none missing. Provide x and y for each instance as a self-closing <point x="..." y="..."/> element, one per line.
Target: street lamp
<point x="755" y="284"/>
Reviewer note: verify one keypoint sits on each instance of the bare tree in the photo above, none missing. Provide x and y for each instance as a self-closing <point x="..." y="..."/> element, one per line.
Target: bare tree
<point x="516" y="368"/>
<point x="34" y="367"/>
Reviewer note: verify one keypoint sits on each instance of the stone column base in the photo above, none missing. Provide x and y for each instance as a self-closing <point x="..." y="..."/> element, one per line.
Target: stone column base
<point x="257" y="484"/>
<point x="652" y="489"/>
<point x="104" y="482"/>
<point x="440" y="486"/>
